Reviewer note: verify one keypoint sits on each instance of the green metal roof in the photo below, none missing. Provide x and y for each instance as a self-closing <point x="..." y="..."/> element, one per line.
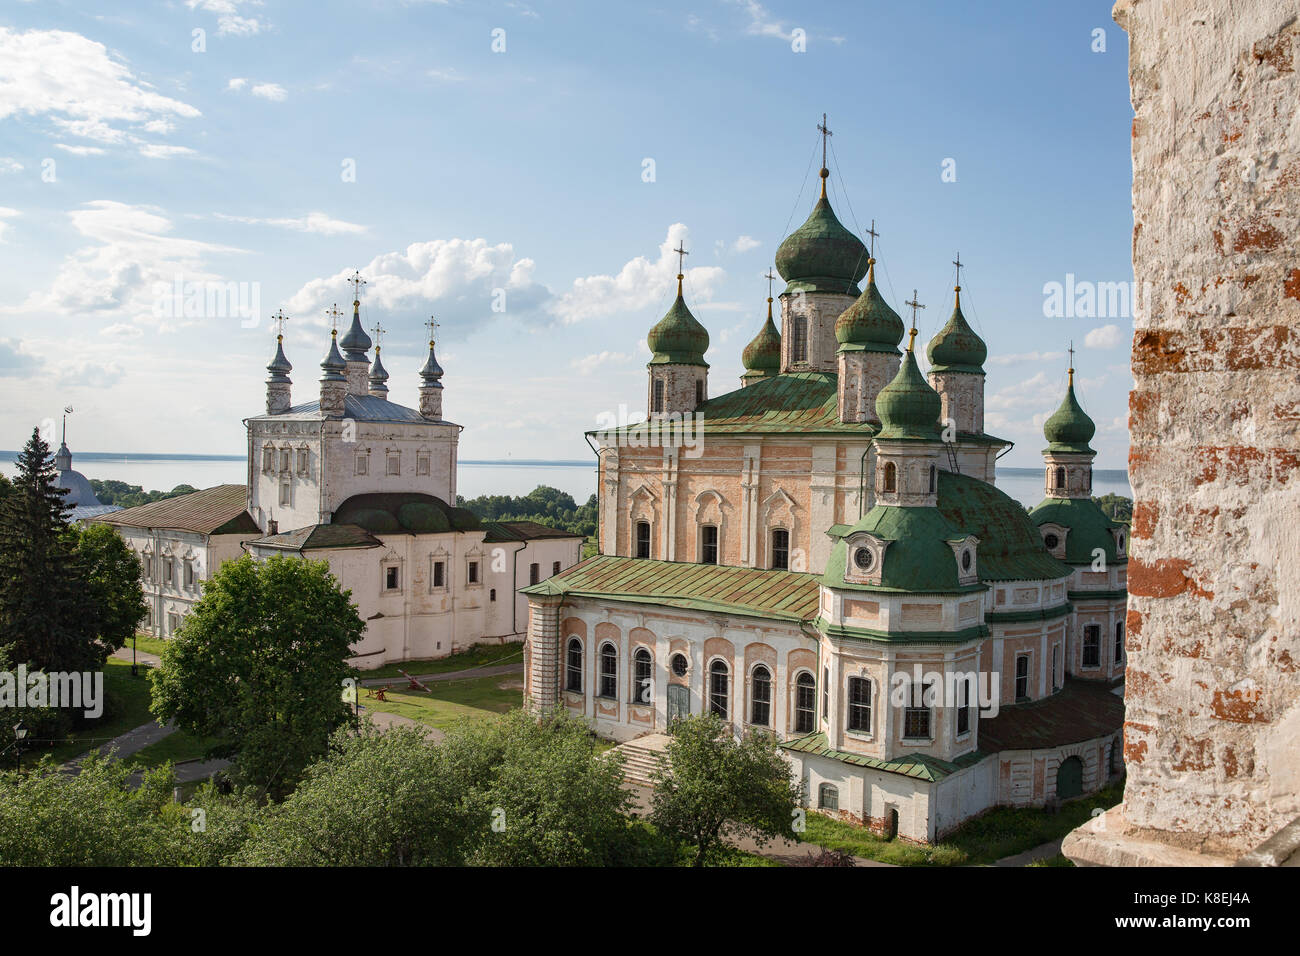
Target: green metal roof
<point x="1010" y="548"/>
<point x="762" y="356"/>
<point x="869" y="322"/>
<point x="319" y="537"/>
<point x="404" y="512"/>
<point x="781" y="595"/>
<point x="1089" y="528"/>
<point x="908" y="407"/>
<point x="918" y="766"/>
<point x="918" y="558"/>
<point x="1069" y="429"/>
<point x="822" y="255"/>
<point x="957" y="348"/>
<point x="678" y="338"/>
<point x="500" y="531"/>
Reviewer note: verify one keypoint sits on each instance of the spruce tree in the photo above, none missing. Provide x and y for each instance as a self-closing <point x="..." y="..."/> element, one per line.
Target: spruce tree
<point x="47" y="617"/>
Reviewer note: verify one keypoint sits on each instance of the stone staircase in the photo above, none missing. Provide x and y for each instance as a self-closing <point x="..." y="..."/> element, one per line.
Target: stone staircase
<point x="641" y="756"/>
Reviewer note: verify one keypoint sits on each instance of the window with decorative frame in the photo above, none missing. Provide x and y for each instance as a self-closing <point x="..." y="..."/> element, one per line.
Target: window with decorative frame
<point x="643" y="539"/>
<point x="963" y="707"/>
<point x="780" y="549"/>
<point x="304" y="459"/>
<point x="760" y="696"/>
<point x="392" y="577"/>
<point x="916" y="715"/>
<point x="268" y="459"/>
<point x="393" y="464"/>
<point x="1091" y="645"/>
<point x="1119" y="642"/>
<point x="709" y="544"/>
<point x="805" y="703"/>
<point x="719" y="688"/>
<point x="642" y="677"/>
<point x="363" y="464"/>
<point x="828" y="797"/>
<point x="657" y="395"/>
<point x="286" y="459"/>
<point x="1022" y="677"/>
<point x="471" y="572"/>
<point x="438" y="574"/>
<point x="860" y="704"/>
<point x="798" y="339"/>
<point x="608" y="671"/>
<point x="573" y="666"/>
<point x="422" y="465"/>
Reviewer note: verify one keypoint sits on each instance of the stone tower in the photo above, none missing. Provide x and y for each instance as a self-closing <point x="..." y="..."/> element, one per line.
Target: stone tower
<point x="431" y="385"/>
<point x="278" y="384"/>
<point x="1068" y="457"/>
<point x="334" y="383"/>
<point x="678" y="374"/>
<point x="868" y="333"/>
<point x="957" y="357"/>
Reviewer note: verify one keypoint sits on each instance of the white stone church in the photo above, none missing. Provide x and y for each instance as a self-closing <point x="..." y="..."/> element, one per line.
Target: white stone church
<point x="789" y="553"/>
<point x="369" y="486"/>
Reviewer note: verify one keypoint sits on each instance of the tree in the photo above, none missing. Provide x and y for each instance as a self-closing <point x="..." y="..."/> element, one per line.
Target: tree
<point x="713" y="788"/>
<point x="544" y="504"/>
<point x="259" y="663"/>
<point x="113" y="582"/>
<point x="1116" y="507"/>
<point x="376" y="799"/>
<point x="47" y="615"/>
<point x="551" y="797"/>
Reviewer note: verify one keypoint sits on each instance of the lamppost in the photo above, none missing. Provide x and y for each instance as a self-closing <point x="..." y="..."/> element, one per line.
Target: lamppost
<point x="134" y="669"/>
<point x="17" y="746"/>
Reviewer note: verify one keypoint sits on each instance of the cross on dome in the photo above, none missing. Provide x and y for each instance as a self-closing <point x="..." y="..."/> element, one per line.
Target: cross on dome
<point x="357" y="283"/>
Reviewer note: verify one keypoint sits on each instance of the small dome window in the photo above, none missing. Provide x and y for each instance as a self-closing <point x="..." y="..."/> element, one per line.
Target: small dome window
<point x="967" y="559"/>
<point x="1052" y="541"/>
<point x="864" y="559"/>
<point x="679" y="665"/>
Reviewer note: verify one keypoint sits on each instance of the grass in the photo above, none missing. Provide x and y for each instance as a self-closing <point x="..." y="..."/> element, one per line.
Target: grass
<point x="1002" y="831"/>
<point x="132" y="695"/>
<point x="450" y="700"/>
<point x="480" y="655"/>
<point x="147" y="644"/>
<point x="177" y="746"/>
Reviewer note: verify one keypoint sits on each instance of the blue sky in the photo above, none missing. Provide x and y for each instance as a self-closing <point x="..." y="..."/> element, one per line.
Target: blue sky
<point x="288" y="143"/>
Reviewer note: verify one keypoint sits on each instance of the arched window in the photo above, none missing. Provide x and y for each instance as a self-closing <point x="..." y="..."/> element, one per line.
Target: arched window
<point x="608" y="671"/>
<point x="719" y="680"/>
<point x="933" y="479"/>
<point x="1119" y="642"/>
<point x="890" y="484"/>
<point x="781" y="549"/>
<point x="760" y="708"/>
<point x="642" y="682"/>
<point x="828" y="797"/>
<point x="657" y="395"/>
<point x="826" y="693"/>
<point x="643" y="539"/>
<point x="798" y="339"/>
<point x="573" y="666"/>
<point x="860" y="704"/>
<point x="699" y="393"/>
<point x="805" y="703"/>
<point x="1060" y="479"/>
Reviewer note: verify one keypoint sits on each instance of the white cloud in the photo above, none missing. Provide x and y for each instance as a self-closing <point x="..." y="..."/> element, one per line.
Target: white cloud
<point x="446" y="75"/>
<point x="270" y="91"/>
<point x="761" y="22"/>
<point x="92" y="129"/>
<point x="1105" y="337"/>
<point x="122" y="330"/>
<point x="160" y="127"/>
<point x="1016" y="358"/>
<point x="10" y="165"/>
<point x="315" y="222"/>
<point x="638" y="285"/>
<point x="461" y="281"/>
<point x="80" y="150"/>
<point x="237" y="83"/>
<point x="130" y="250"/>
<point x="15" y="359"/>
<point x="590" y="363"/>
<point x="229" y="21"/>
<point x="90" y="375"/>
<point x="162" y="151"/>
<point x="239" y="26"/>
<point x="6" y="213"/>
<point x="745" y="243"/>
<point x="58" y="72"/>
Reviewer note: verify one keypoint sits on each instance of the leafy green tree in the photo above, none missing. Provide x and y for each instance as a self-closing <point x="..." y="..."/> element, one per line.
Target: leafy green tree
<point x="6" y="486"/>
<point x="113" y="581"/>
<point x="552" y="798"/>
<point x="713" y="788"/>
<point x="112" y="492"/>
<point x="1116" y="507"/>
<point x="48" y="618"/>
<point x="544" y="504"/>
<point x="377" y="799"/>
<point x="259" y="663"/>
<point x="49" y="817"/>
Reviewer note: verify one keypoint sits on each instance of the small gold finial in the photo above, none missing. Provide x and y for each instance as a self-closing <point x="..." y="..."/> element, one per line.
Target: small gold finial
<point x="871" y="270"/>
<point x="826" y="135"/>
<point x="1071" y="370"/>
<point x="911" y="338"/>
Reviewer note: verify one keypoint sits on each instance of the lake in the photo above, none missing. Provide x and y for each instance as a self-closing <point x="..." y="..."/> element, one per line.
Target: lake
<point x="474" y="478"/>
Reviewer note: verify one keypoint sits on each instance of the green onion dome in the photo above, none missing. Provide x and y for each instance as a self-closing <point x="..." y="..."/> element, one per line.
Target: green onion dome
<point x="678" y="339"/>
<point x="821" y="255"/>
<point x="356" y="343"/>
<point x="869" y="322"/>
<point x="908" y="407"/>
<point x="1069" y="429"/>
<point x="762" y="356"/>
<point x="957" y="348"/>
<point x="279" y="367"/>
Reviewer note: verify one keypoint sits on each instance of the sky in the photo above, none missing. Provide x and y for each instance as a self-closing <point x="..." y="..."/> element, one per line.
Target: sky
<point x="521" y="171"/>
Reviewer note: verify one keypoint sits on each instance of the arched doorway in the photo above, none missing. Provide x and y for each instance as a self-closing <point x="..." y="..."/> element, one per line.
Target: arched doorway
<point x="1069" y="778"/>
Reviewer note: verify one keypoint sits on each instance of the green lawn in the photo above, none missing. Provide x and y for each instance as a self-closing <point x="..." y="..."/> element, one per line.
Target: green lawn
<point x="480" y="655"/>
<point x="132" y="695"/>
<point x="450" y="700"/>
<point x="178" y="746"/>
<point x="1002" y="831"/>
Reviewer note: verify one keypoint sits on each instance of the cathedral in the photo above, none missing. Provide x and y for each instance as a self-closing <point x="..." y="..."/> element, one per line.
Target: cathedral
<point x="828" y="559"/>
<point x="369" y="486"/>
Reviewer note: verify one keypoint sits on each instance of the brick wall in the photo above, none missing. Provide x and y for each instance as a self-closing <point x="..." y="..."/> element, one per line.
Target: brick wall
<point x="1214" y="576"/>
